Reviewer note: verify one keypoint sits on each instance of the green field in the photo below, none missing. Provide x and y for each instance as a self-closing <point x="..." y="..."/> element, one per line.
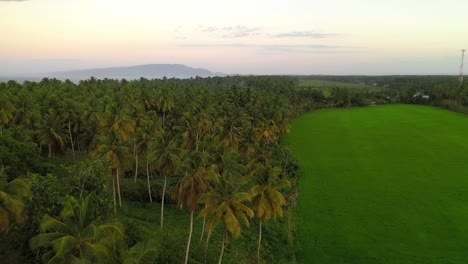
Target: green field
<point x="385" y="184"/>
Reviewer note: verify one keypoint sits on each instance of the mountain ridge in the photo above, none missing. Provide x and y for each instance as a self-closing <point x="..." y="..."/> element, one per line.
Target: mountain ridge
<point x="149" y="71"/>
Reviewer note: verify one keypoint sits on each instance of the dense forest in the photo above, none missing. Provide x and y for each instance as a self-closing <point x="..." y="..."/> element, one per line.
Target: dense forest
<point x="117" y="171"/>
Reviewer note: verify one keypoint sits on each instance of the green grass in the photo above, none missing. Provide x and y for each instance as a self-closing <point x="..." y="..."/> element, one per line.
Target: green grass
<point x="385" y="184"/>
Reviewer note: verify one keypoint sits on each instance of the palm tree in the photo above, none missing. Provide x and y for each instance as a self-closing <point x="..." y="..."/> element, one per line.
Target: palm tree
<point x="195" y="183"/>
<point x="166" y="161"/>
<point x="225" y="203"/>
<point x="51" y="131"/>
<point x="118" y="155"/>
<point x="165" y="103"/>
<point x="142" y="252"/>
<point x="70" y="116"/>
<point x="146" y="134"/>
<point x="12" y="195"/>
<point x="267" y="200"/>
<point x="74" y="237"/>
<point x="6" y="110"/>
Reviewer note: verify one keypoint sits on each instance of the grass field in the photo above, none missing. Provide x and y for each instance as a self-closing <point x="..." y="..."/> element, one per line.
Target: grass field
<point x="385" y="184"/>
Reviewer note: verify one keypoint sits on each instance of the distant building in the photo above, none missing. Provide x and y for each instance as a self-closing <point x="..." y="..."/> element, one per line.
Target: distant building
<point x="421" y="94"/>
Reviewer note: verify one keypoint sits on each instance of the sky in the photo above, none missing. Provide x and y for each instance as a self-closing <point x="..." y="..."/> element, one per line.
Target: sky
<point x="372" y="37"/>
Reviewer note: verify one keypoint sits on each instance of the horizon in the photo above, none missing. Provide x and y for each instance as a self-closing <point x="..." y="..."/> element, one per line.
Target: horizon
<point x="263" y="38"/>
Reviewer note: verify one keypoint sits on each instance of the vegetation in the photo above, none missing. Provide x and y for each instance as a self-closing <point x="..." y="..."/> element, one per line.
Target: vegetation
<point x="382" y="185"/>
<point x="119" y="141"/>
<point x="132" y="154"/>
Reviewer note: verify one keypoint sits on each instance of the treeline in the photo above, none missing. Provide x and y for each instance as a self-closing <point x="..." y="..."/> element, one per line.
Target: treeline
<point x="438" y="90"/>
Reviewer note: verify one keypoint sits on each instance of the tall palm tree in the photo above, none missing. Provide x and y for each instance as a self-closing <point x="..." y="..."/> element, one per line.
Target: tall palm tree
<point x="165" y="103"/>
<point x="267" y="199"/>
<point x="74" y="237"/>
<point x="6" y="110"/>
<point x="12" y="195"/>
<point x="118" y="155"/>
<point x="166" y="161"/>
<point x="225" y="203"/>
<point x="149" y="127"/>
<point x="195" y="183"/>
<point x="51" y="130"/>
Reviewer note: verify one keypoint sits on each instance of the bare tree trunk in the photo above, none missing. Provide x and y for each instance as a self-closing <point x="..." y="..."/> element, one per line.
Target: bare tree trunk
<point x="189" y="238"/>
<point x="118" y="189"/>
<point x="222" y="246"/>
<point x="136" y="166"/>
<point x="113" y="190"/>
<point x="162" y="200"/>
<point x="71" y="140"/>
<point x="148" y="178"/>
<point x="259" y="240"/>
<point x="207" y="243"/>
<point x="203" y="230"/>
<point x="50" y="150"/>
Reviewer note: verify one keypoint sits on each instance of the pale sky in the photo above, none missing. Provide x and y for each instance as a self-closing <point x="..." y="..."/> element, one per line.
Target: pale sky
<point x="242" y="36"/>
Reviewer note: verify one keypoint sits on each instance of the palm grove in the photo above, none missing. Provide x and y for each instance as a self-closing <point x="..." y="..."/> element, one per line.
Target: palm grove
<point x="72" y="156"/>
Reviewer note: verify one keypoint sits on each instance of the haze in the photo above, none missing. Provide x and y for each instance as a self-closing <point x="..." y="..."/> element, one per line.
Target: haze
<point x="247" y="37"/>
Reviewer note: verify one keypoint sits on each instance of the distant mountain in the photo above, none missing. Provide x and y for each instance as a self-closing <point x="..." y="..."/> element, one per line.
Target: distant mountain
<point x="149" y="71"/>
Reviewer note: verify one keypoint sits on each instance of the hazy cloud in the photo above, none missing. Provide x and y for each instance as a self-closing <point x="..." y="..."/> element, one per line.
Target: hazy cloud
<point x="304" y="34"/>
<point x="301" y="48"/>
<point x="238" y="31"/>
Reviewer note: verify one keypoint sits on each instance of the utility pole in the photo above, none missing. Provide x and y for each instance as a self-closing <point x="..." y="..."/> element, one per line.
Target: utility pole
<point x="460" y="78"/>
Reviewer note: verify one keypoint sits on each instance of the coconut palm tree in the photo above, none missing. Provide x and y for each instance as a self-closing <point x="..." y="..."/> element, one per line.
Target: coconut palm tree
<point x="225" y="203"/>
<point x="12" y="195"/>
<point x="118" y="155"/>
<point x="6" y="110"/>
<point x="51" y="130"/>
<point x="74" y="237"/>
<point x="195" y="183"/>
<point x="267" y="201"/>
<point x="164" y="103"/>
<point x="149" y="127"/>
<point x="166" y="161"/>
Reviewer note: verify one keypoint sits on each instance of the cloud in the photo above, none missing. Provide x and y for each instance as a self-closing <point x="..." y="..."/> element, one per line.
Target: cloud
<point x="238" y="31"/>
<point x="54" y="60"/>
<point x="304" y="34"/>
<point x="13" y="0"/>
<point x="274" y="48"/>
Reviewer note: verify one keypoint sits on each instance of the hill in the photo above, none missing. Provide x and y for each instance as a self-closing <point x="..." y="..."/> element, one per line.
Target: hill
<point x="149" y="71"/>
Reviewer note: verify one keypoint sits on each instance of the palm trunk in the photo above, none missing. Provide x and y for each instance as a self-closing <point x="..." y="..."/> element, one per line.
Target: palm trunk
<point x="259" y="240"/>
<point x="50" y="149"/>
<point x="71" y="140"/>
<point x="189" y="238"/>
<point x="222" y="246"/>
<point x="113" y="190"/>
<point x="136" y="166"/>
<point x="148" y="178"/>
<point x="207" y="243"/>
<point x="203" y="230"/>
<point x="162" y="200"/>
<point x="118" y="189"/>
